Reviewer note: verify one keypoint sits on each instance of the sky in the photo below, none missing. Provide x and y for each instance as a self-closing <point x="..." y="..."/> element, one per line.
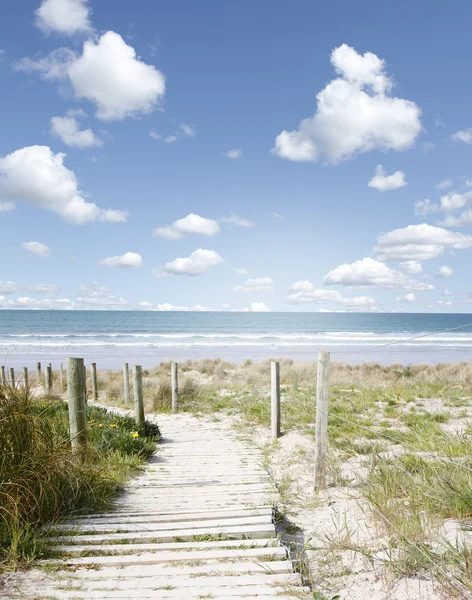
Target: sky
<point x="252" y="156"/>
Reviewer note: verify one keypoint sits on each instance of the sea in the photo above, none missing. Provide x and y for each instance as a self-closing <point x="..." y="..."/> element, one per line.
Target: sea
<point x="111" y="338"/>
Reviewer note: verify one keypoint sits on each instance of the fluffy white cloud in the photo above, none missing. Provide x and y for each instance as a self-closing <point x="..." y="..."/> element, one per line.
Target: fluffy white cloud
<point x="111" y="76"/>
<point x="170" y="139"/>
<point x="419" y="242"/>
<point x="8" y="287"/>
<point x="35" y="303"/>
<point x="258" y="307"/>
<point x="103" y="301"/>
<point x="192" y="223"/>
<point x="355" y="114"/>
<point x="166" y="306"/>
<point x="155" y="135"/>
<point x="188" y="130"/>
<point x="408" y="298"/>
<point x="195" y="264"/>
<point x="241" y="271"/>
<point x="444" y="184"/>
<point x="411" y="266"/>
<point x="127" y="260"/>
<point x="37" y="248"/>
<point x="36" y="175"/>
<point x="464" y="218"/>
<point x="303" y="292"/>
<point x="113" y="215"/>
<point x="445" y="271"/>
<point x="463" y="136"/>
<point x="369" y="272"/>
<point x="43" y="288"/>
<point x="453" y="201"/>
<point x="68" y="130"/>
<point x="424" y="207"/>
<point x="236" y="220"/>
<point x="384" y="182"/>
<point x="259" y="284"/>
<point x="54" y="66"/>
<point x="64" y="16"/>
<point x="234" y="153"/>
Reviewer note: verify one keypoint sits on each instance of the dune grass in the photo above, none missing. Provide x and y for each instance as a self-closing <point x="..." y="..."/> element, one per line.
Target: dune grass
<point x="41" y="481"/>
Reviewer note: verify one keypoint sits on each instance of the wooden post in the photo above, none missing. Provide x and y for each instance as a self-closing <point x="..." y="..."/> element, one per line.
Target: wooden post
<point x="175" y="387"/>
<point x="321" y="434"/>
<point x="77" y="408"/>
<point x="38" y="372"/>
<point x="49" y="380"/>
<point x="4" y="377"/>
<point x="138" y="399"/>
<point x="85" y="384"/>
<point x="126" y="383"/>
<point x="94" y="382"/>
<point x="12" y="376"/>
<point x="25" y="377"/>
<point x="61" y="377"/>
<point x="275" y="399"/>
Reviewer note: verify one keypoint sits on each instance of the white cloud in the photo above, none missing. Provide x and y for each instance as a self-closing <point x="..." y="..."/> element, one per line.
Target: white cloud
<point x="35" y="303"/>
<point x="444" y="184"/>
<point x="113" y="215"/>
<point x="369" y="272"/>
<point x="411" y="266"/>
<point x="6" y="206"/>
<point x="236" y="220"/>
<point x="445" y="271"/>
<point x="419" y="242"/>
<point x="8" y="287"/>
<point x="103" y="301"/>
<point x="68" y="130"/>
<point x="195" y="264"/>
<point x="192" y="223"/>
<point x="155" y="135"/>
<point x="129" y="259"/>
<point x="424" y="207"/>
<point x="95" y="290"/>
<point x="408" y="298"/>
<point x="43" y="288"/>
<point x="355" y="114"/>
<point x="241" y="271"/>
<point x="453" y="201"/>
<point x="234" y="153"/>
<point x="258" y="307"/>
<point x="170" y="139"/>
<point x="37" y="248"/>
<point x="166" y="306"/>
<point x="384" y="182"/>
<point x="188" y="130"/>
<point x="463" y="136"/>
<point x="63" y="16"/>
<point x="464" y="218"/>
<point x="303" y="292"/>
<point x="259" y="284"/>
<point x="54" y="66"/>
<point x="36" y="175"/>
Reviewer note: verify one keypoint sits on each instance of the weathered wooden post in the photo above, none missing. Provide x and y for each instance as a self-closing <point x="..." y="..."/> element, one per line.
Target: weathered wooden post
<point x="77" y="408"/>
<point x="138" y="399"/>
<point x="321" y="433"/>
<point x="94" y="382"/>
<point x="12" y="376"/>
<point x="175" y="387"/>
<point x="61" y="377"/>
<point x="126" y="383"/>
<point x="4" y="377"/>
<point x="49" y="380"/>
<point x="275" y="399"/>
<point x="85" y="384"/>
<point x="38" y="372"/>
<point x="25" y="377"/>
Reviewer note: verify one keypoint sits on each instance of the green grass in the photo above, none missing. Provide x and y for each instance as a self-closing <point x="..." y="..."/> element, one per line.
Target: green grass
<point x="41" y="481"/>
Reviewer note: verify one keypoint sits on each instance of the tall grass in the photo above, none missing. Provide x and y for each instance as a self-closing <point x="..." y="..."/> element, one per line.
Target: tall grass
<point x="40" y="480"/>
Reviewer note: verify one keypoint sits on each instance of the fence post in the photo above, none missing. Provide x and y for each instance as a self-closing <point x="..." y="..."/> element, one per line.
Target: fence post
<point x="4" y="377"/>
<point x="85" y="384"/>
<point x="25" y="377"/>
<point x="321" y="433"/>
<point x="138" y="399"/>
<point x="77" y="408"/>
<point x="38" y="372"/>
<point x="61" y="377"/>
<point x="126" y="383"/>
<point x="49" y="379"/>
<point x="275" y="399"/>
<point x="94" y="382"/>
<point x="175" y="387"/>
<point x="12" y="376"/>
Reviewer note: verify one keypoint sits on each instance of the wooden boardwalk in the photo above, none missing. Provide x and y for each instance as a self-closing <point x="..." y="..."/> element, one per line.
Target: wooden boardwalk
<point x="197" y="523"/>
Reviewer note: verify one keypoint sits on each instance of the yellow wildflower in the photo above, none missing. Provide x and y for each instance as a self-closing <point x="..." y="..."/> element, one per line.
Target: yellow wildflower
<point x="135" y="434"/>
<point x="100" y="425"/>
<point x="112" y="425"/>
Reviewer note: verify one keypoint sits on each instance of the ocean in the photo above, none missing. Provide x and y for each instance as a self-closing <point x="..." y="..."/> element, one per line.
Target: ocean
<point x="110" y="338"/>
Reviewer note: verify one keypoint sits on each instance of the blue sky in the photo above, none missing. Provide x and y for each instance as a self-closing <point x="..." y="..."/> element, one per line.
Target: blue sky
<point x="265" y="122"/>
